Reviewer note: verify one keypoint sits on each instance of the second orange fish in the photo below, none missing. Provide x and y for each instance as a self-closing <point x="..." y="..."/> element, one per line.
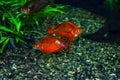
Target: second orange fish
<point x="50" y="44"/>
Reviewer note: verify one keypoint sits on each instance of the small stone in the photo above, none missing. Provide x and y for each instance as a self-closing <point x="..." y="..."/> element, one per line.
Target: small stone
<point x="78" y="69"/>
<point x="14" y="66"/>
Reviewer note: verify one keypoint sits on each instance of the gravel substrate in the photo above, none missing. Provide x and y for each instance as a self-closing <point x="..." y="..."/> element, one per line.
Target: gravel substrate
<point x="87" y="59"/>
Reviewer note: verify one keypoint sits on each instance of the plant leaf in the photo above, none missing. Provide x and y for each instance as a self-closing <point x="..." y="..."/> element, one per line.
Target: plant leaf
<point x="4" y="28"/>
<point x="6" y="40"/>
<point x="15" y="21"/>
<point x="3" y="39"/>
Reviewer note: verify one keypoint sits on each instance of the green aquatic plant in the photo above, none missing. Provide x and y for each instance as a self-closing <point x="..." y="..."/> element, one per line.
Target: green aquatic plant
<point x="10" y="23"/>
<point x="112" y="3"/>
<point x="43" y="14"/>
<point x="11" y="5"/>
<point x="50" y="10"/>
<point x="11" y="32"/>
<point x="13" y="24"/>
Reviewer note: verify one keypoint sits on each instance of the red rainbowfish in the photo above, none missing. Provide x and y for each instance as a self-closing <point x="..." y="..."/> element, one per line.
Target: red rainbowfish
<point x="65" y="29"/>
<point x="50" y="44"/>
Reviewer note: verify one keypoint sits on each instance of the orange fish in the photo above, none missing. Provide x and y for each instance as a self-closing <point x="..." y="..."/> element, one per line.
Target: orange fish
<point x="50" y="44"/>
<point x="65" y="29"/>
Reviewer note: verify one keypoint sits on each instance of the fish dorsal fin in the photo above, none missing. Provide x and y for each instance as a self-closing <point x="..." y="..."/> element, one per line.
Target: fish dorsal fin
<point x="50" y="30"/>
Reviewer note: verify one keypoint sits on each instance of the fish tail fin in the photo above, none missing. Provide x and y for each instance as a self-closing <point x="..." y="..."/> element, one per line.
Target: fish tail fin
<point x="68" y="44"/>
<point x="80" y="30"/>
<point x="35" y="46"/>
<point x="50" y="30"/>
